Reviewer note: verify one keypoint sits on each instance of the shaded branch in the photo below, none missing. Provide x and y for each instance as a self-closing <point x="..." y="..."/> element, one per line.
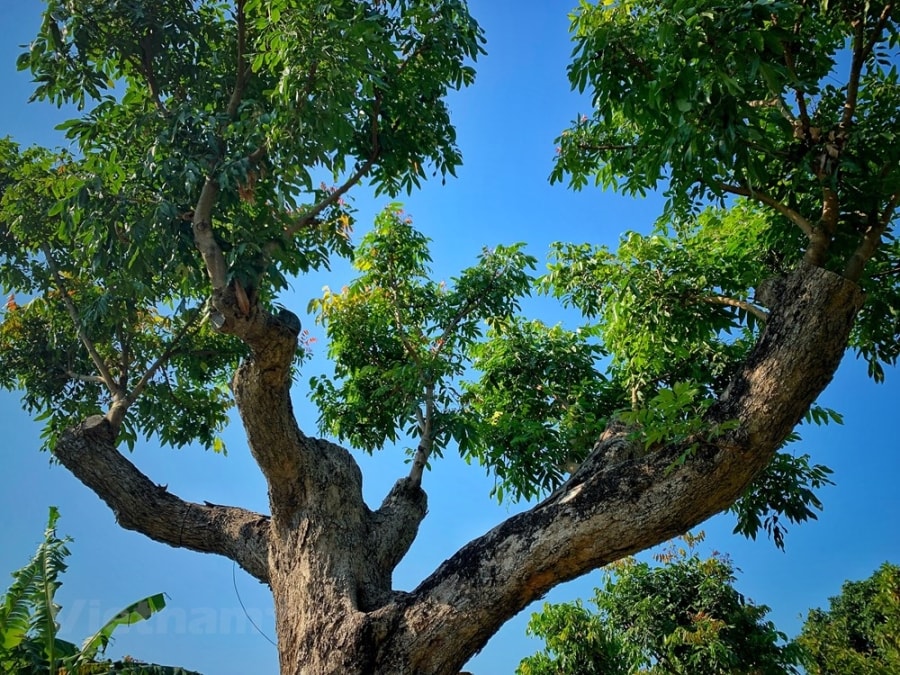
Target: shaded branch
<point x="781" y="208"/>
<point x="856" y="64"/>
<point x="776" y="101"/>
<point x="117" y="412"/>
<point x="823" y="233"/>
<point x="89" y="452"/>
<point x="97" y="360"/>
<point x="799" y="94"/>
<point x="870" y="242"/>
<point x="240" y="82"/>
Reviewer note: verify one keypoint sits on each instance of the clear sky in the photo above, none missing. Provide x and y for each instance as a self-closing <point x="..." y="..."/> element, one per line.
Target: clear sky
<point x="507" y="122"/>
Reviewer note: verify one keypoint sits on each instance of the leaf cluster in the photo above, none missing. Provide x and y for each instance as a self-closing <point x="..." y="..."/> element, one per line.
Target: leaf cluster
<point x="706" y="94"/>
<point x="684" y="616"/>
<point x="539" y="405"/>
<point x="859" y="631"/>
<point x="107" y="290"/>
<point x="399" y="340"/>
<point x="674" y="306"/>
<point x="82" y="276"/>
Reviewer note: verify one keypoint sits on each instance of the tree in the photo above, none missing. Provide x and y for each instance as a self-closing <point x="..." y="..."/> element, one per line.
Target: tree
<point x="683" y="616"/>
<point x="151" y="257"/>
<point x="28" y="627"/>
<point x="860" y="632"/>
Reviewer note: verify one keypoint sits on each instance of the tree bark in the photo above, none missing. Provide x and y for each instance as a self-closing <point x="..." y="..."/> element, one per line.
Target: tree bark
<point x="328" y="558"/>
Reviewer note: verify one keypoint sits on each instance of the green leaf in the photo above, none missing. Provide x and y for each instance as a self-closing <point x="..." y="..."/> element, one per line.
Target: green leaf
<point x="134" y="613"/>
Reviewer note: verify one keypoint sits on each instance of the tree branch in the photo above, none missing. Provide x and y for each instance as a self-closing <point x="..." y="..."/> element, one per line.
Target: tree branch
<point x="96" y="379"/>
<point x="89" y="452"/>
<point x="426" y="443"/>
<point x="799" y="94"/>
<point x="309" y="217"/>
<point x="605" y="147"/>
<point x="887" y="273"/>
<point x="97" y="360"/>
<point x="117" y="412"/>
<point x="204" y="240"/>
<point x="871" y="240"/>
<point x="856" y="64"/>
<point x="878" y="29"/>
<point x="396" y="523"/>
<point x="240" y="80"/>
<point x="748" y="307"/>
<point x="607" y="511"/>
<point x="762" y="198"/>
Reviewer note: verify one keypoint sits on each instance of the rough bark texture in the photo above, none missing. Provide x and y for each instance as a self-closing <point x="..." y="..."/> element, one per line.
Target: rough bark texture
<point x="328" y="558"/>
<point x="89" y="451"/>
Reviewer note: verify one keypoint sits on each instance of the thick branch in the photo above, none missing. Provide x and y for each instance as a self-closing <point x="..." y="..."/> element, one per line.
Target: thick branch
<point x="823" y="232"/>
<point x="781" y="208"/>
<point x="89" y="452"/>
<point x="204" y="240"/>
<point x="396" y="523"/>
<point x="262" y="392"/>
<point x="605" y="512"/>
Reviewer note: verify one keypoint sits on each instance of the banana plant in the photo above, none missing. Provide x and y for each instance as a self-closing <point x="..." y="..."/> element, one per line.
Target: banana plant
<point x="29" y="643"/>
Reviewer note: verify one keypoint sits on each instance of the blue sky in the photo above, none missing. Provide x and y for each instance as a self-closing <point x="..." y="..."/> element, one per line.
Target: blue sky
<point x="506" y="122"/>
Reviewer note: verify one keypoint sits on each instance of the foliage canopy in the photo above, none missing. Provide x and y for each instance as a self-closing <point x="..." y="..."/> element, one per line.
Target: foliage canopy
<point x="210" y="157"/>
<point x="860" y="630"/>
<point x="683" y="616"/>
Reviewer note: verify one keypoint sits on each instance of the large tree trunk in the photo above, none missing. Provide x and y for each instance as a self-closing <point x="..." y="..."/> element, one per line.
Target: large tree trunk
<point x="328" y="558"/>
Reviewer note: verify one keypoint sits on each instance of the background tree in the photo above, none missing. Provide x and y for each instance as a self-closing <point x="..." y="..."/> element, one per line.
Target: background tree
<point x="860" y="631"/>
<point x="191" y="197"/>
<point x="682" y="616"/>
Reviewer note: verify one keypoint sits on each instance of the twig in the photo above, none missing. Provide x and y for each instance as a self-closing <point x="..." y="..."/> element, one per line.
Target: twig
<point x="161" y="360"/>
<point x="763" y="198"/>
<point x="101" y="366"/>
<point x="240" y="81"/>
